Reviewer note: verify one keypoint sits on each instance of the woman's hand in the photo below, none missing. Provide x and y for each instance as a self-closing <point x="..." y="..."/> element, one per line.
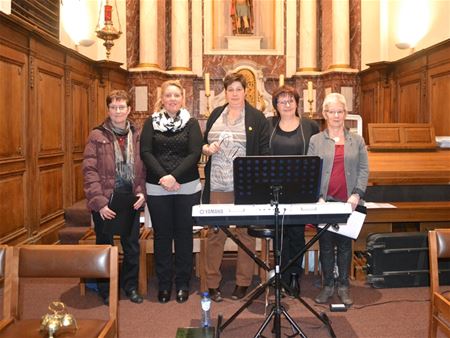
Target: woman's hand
<point x="169" y="183"/>
<point x="209" y="149"/>
<point x="175" y="187"/>
<point x="353" y="200"/>
<point x="106" y="213"/>
<point x="139" y="202"/>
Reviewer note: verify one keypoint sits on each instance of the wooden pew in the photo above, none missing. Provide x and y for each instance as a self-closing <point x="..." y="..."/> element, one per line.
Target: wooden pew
<point x="417" y="168"/>
<point x="438" y="211"/>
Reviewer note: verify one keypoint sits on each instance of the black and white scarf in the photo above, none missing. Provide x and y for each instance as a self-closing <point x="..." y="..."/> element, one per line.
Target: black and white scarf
<point x="163" y="122"/>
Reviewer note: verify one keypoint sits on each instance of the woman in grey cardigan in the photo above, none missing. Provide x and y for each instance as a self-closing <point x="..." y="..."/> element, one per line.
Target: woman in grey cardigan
<point x="345" y="172"/>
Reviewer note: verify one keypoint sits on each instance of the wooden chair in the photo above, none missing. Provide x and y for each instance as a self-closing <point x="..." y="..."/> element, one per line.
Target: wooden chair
<point x="6" y="275"/>
<point x="439" y="247"/>
<point x="145" y="236"/>
<point x="60" y="261"/>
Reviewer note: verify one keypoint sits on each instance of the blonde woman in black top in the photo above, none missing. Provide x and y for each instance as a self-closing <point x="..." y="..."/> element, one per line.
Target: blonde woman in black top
<point x="171" y="144"/>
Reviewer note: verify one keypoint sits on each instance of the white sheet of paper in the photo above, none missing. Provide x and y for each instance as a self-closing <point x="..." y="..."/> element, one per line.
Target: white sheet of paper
<point x="353" y="226"/>
<point x="376" y="205"/>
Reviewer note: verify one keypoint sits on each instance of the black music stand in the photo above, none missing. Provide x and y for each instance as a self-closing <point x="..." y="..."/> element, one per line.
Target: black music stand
<point x="255" y="176"/>
<point x="274" y="180"/>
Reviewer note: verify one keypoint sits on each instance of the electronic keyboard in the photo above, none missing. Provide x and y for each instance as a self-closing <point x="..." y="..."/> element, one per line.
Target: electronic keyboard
<point x="264" y="214"/>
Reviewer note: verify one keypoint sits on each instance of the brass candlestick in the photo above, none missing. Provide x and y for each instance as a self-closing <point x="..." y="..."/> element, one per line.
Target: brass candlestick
<point x="310" y="108"/>
<point x="207" y="112"/>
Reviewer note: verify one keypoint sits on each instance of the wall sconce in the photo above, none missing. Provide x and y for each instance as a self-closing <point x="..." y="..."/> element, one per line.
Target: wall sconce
<point x="86" y="42"/>
<point x="403" y="45"/>
<point x="108" y="33"/>
<point x="412" y="23"/>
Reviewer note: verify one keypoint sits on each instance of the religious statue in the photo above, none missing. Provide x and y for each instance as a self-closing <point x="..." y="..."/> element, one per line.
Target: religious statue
<point x="242" y="16"/>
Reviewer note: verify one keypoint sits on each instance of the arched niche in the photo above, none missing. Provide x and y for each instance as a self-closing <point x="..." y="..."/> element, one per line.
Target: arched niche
<point x="256" y="93"/>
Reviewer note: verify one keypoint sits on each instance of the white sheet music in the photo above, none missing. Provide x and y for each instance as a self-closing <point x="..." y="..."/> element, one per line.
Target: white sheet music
<point x="377" y="205"/>
<point x="353" y="226"/>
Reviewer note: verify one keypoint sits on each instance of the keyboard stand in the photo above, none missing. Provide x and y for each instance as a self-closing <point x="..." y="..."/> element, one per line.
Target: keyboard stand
<point x="276" y="282"/>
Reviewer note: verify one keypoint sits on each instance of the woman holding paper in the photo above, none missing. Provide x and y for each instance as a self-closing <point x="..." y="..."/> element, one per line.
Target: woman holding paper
<point x="112" y="167"/>
<point x="234" y="129"/>
<point x="171" y="145"/>
<point x="345" y="173"/>
<point x="289" y="135"/>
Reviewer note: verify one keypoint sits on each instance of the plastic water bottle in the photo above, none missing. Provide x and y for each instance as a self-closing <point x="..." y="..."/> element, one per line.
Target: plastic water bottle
<point x="206" y="310"/>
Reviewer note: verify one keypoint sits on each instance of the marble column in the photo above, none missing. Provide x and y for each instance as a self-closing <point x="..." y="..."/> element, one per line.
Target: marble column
<point x="291" y="38"/>
<point x="180" y="36"/>
<point x="341" y="34"/>
<point x="308" y="36"/>
<point x="148" y="39"/>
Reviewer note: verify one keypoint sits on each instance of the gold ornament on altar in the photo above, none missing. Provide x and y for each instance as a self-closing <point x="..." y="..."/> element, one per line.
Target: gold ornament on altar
<point x="58" y="321"/>
<point x="207" y="94"/>
<point x="108" y="33"/>
<point x="310" y="98"/>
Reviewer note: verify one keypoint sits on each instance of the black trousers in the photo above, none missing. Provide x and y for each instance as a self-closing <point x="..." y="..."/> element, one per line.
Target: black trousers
<point x="293" y="242"/>
<point x="172" y="223"/>
<point x="334" y="247"/>
<point x="130" y="245"/>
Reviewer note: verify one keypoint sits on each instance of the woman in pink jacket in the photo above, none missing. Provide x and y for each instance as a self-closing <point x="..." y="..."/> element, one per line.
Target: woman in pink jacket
<point x="112" y="167"/>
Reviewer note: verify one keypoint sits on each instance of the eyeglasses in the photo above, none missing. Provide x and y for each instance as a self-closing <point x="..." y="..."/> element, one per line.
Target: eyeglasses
<point x="120" y="108"/>
<point x="336" y="112"/>
<point x="286" y="102"/>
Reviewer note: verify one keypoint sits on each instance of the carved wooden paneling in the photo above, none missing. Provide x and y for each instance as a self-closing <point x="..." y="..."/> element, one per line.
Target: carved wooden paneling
<point x="439" y="101"/>
<point x="80" y="131"/>
<point x="80" y="115"/>
<point x="50" y="99"/>
<point x="409" y="101"/>
<point x="411" y="90"/>
<point x="12" y="190"/>
<point x="50" y="191"/>
<point x="401" y="136"/>
<point x="13" y="165"/>
<point x="369" y="106"/>
<point x="386" y="114"/>
<point x="50" y="105"/>
<point x="118" y="79"/>
<point x="101" y="111"/>
<point x="13" y="90"/>
<point x="78" y="181"/>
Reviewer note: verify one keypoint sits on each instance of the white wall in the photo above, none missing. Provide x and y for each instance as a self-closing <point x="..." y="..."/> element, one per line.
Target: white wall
<point x="5" y="6"/>
<point x="383" y="20"/>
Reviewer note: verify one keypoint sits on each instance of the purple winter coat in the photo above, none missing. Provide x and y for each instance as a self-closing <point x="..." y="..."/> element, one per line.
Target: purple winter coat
<point x="99" y="169"/>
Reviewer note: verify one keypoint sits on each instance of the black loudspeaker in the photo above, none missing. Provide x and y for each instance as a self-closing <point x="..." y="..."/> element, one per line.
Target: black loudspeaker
<point x="400" y="259"/>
